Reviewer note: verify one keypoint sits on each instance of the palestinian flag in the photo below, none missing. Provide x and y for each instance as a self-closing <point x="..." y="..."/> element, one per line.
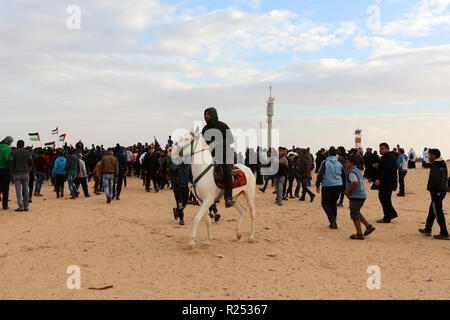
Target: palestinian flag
<point x="55" y="131"/>
<point x="34" y="136"/>
<point x="62" y="137"/>
<point x="50" y="145"/>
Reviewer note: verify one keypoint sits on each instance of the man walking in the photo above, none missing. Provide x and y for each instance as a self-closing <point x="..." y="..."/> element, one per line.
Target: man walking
<point x="5" y="178"/>
<point x="109" y="170"/>
<point x="402" y="171"/>
<point x="20" y="164"/>
<point x="437" y="186"/>
<point x="280" y="177"/>
<point x="386" y="182"/>
<point x="330" y="176"/>
<point x="81" y="178"/>
<point x="305" y="168"/>
<point x="150" y="165"/>
<point x="72" y="169"/>
<point x="40" y="168"/>
<point x="120" y="154"/>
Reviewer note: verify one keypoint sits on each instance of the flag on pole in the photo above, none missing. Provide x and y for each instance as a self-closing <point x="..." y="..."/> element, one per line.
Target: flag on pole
<point x="156" y="144"/>
<point x="55" y="131"/>
<point x="62" y="137"/>
<point x="50" y="144"/>
<point x="34" y="136"/>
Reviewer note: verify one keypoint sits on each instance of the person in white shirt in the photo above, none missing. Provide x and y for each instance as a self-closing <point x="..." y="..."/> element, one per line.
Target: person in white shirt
<point x="425" y="160"/>
<point x="412" y="159"/>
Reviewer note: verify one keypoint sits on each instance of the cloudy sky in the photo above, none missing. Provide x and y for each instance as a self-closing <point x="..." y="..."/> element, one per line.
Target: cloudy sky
<point x="142" y="68"/>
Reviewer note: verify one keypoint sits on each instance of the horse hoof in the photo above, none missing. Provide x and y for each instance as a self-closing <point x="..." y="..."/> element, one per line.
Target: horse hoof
<point x="206" y="243"/>
<point x="252" y="240"/>
<point x="239" y="236"/>
<point x="191" y="246"/>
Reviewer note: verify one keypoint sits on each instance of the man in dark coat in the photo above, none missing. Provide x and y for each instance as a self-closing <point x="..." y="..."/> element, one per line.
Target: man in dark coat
<point x="219" y="133"/>
<point x="150" y="165"/>
<point x="386" y="182"/>
<point x="437" y="186"/>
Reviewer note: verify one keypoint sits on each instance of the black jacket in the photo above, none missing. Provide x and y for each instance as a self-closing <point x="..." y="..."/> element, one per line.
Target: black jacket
<point x="150" y="163"/>
<point x="227" y="138"/>
<point x="437" y="182"/>
<point x="387" y="171"/>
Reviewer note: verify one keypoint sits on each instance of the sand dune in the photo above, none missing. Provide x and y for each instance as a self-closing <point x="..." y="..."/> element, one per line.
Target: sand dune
<point x="135" y="245"/>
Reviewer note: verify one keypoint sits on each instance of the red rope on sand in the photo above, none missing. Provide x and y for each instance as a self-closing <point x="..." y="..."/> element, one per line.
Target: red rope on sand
<point x="104" y="288"/>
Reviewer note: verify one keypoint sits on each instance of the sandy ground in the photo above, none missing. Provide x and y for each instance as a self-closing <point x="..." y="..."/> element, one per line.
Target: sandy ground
<point x="135" y="245"/>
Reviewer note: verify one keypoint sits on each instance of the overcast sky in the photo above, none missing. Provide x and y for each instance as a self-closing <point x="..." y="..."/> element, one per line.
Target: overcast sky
<point x="142" y="68"/>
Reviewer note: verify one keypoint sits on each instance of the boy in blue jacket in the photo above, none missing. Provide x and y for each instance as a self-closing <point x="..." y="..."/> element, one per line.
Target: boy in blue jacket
<point x="356" y="194"/>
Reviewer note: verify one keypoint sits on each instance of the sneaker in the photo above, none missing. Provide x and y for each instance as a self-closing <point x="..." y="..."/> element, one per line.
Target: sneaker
<point x="181" y="222"/>
<point x="175" y="214"/>
<point x="217" y="217"/>
<point x="400" y="195"/>
<point x="285" y="198"/>
<point x="301" y="199"/>
<point x="312" y="198"/>
<point x="262" y="190"/>
<point x="441" y="237"/>
<point x="26" y="209"/>
<point x="108" y="200"/>
<point x="425" y="232"/>
<point x="117" y="198"/>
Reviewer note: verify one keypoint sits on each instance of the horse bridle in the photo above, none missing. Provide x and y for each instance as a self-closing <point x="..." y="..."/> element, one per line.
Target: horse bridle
<point x="196" y="139"/>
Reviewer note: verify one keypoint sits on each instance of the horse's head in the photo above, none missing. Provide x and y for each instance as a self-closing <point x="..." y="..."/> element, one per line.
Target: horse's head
<point x="188" y="145"/>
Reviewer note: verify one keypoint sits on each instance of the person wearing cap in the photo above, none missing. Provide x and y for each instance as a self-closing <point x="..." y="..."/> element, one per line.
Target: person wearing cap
<point x="5" y="178"/>
<point x="437" y="186"/>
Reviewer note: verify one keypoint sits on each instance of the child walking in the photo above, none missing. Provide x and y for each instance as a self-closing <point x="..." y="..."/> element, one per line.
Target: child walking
<point x="356" y="194"/>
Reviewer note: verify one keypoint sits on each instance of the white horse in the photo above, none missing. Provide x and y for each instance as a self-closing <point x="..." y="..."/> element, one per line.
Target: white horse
<point x="202" y="166"/>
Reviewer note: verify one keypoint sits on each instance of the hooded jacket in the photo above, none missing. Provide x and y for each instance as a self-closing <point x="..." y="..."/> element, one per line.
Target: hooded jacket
<point x="223" y="142"/>
<point x="60" y="166"/>
<point x="437" y="181"/>
<point x="5" y="152"/>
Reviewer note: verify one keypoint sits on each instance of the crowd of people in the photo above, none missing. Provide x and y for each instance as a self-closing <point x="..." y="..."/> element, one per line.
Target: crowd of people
<point x="340" y="174"/>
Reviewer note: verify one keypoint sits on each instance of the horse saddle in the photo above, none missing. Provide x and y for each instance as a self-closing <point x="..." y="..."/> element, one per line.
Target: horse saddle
<point x="237" y="175"/>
